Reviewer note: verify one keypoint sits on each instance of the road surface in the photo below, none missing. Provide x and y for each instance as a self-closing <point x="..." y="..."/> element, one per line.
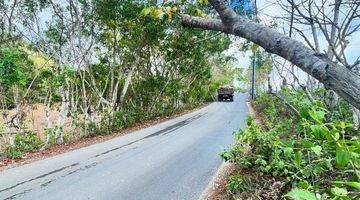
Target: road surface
<point x="175" y="159"/>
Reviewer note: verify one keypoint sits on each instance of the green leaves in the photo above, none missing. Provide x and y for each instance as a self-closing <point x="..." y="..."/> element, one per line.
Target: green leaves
<point x="15" y="67"/>
<point x="298" y="194"/>
<point x="203" y="1"/>
<point x="298" y="158"/>
<point x="24" y="143"/>
<point x="254" y="48"/>
<point x="342" y="157"/>
<point x="160" y="12"/>
<point x="355" y="185"/>
<point x="288" y="151"/>
<point x="319" y="130"/>
<point x="309" y="153"/>
<point x="316" y="150"/>
<point x="339" y="192"/>
<point x="352" y="184"/>
<point x="317" y="115"/>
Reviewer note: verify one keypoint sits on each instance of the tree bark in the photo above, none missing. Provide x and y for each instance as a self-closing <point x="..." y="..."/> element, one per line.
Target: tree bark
<point x="356" y="118"/>
<point x="126" y="85"/>
<point x="336" y="77"/>
<point x="62" y="115"/>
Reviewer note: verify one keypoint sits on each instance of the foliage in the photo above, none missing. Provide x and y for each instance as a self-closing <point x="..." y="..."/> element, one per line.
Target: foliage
<point x="234" y="183"/>
<point x="299" y="194"/>
<point x="15" y="67"/>
<point x="306" y="153"/>
<point x="104" y="65"/>
<point x="24" y="144"/>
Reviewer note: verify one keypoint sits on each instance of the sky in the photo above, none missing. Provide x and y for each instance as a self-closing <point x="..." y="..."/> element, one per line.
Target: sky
<point x="269" y="9"/>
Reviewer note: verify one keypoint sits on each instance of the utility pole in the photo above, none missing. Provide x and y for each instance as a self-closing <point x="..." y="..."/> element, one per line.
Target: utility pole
<point x="255" y="9"/>
<point x="253" y="77"/>
<point x="253" y="63"/>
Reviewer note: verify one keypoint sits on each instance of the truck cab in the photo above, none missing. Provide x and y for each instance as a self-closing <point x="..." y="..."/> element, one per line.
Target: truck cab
<point x="225" y="93"/>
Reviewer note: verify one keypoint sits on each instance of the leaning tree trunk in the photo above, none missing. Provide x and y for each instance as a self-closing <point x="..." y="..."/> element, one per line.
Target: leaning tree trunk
<point x="331" y="98"/>
<point x="336" y="77"/>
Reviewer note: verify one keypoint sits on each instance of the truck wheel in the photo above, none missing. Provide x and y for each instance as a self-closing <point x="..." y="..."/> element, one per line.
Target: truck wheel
<point x="231" y="98"/>
<point x="219" y="98"/>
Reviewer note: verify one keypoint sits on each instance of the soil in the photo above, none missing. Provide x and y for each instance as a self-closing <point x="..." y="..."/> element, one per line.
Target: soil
<point x="6" y="163"/>
<point x="216" y="188"/>
<point x="255" y="115"/>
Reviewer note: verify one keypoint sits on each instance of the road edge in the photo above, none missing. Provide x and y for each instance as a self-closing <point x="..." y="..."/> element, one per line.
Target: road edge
<point x="217" y="185"/>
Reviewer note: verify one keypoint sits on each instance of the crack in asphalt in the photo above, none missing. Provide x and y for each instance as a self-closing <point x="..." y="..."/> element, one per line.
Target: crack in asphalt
<point x="83" y="168"/>
<point x="48" y="182"/>
<point x="41" y="176"/>
<point x="18" y="194"/>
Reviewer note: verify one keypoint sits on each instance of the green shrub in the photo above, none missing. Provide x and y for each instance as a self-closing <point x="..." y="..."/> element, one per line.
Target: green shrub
<point x="234" y="183"/>
<point x="309" y="154"/>
<point x="29" y="142"/>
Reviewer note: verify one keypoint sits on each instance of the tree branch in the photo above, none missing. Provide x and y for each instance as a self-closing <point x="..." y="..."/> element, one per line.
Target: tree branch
<point x="291" y="107"/>
<point x="336" y="77"/>
<point x="208" y="24"/>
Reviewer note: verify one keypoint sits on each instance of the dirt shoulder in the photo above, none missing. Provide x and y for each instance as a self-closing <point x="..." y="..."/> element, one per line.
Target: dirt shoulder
<point x="217" y="186"/>
<point x="7" y="163"/>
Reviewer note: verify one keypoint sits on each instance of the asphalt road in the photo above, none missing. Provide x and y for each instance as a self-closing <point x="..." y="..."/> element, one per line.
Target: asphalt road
<point x="175" y="159"/>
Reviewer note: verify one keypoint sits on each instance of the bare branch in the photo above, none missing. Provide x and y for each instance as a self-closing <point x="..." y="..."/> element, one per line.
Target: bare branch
<point x="336" y="77"/>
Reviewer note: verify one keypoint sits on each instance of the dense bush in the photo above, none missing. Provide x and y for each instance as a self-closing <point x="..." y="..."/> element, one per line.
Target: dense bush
<point x="29" y="142"/>
<point x="313" y="157"/>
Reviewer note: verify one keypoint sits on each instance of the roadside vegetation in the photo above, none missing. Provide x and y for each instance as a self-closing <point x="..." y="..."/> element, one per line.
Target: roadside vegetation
<point x="313" y="155"/>
<point x="303" y="142"/>
<point x="84" y="68"/>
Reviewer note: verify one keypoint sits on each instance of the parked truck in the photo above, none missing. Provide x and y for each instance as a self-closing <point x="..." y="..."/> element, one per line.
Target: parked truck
<point x="225" y="92"/>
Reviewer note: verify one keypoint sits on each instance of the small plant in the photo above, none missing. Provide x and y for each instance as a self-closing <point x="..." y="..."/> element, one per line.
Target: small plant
<point x="24" y="144"/>
<point x="234" y="183"/>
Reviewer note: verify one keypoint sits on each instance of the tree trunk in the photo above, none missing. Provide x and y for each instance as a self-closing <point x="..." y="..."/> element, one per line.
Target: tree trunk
<point x="16" y="120"/>
<point x="331" y="99"/>
<point x="126" y="85"/>
<point x="356" y="118"/>
<point x="47" y="111"/>
<point x="62" y="115"/>
<point x="336" y="77"/>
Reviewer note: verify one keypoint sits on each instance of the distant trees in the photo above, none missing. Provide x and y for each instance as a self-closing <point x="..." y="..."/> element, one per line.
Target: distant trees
<point x="102" y="65"/>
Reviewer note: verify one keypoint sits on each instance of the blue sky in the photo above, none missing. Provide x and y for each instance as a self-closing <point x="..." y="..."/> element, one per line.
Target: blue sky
<point x="269" y="9"/>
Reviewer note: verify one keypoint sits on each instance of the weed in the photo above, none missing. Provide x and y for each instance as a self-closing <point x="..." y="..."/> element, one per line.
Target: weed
<point x="24" y="143"/>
